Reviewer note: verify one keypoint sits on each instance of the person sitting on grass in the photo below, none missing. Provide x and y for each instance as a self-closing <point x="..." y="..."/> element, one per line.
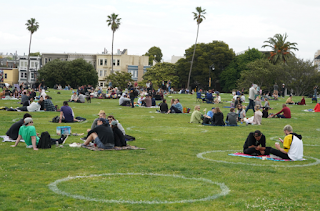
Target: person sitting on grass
<point x="286" y="112"/>
<point x="218" y="99"/>
<point x="148" y="101"/>
<point x="102" y="135"/>
<point x="302" y="102"/>
<point x="48" y="105"/>
<point x="255" y="144"/>
<point x="292" y="145"/>
<point x="217" y="119"/>
<point x="119" y="138"/>
<point x="207" y="118"/>
<point x="13" y="131"/>
<point x="28" y="133"/>
<point x="232" y="117"/>
<point x="124" y="101"/>
<point x="266" y="103"/>
<point x="265" y="113"/>
<point x="289" y="100"/>
<point x="74" y="97"/>
<point x="66" y="113"/>
<point x="257" y="101"/>
<point x="241" y="113"/>
<point x="176" y="107"/>
<point x="164" y="106"/>
<point x="196" y="115"/>
<point x="257" y="116"/>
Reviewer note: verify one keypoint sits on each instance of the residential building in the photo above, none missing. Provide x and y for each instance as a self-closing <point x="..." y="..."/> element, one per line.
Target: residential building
<point x="134" y="64"/>
<point x="34" y="66"/>
<point x="47" y="57"/>
<point x="9" y="75"/>
<point x="174" y="58"/>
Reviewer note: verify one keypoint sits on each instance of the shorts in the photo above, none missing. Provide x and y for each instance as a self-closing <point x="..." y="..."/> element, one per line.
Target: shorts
<point x="100" y="144"/>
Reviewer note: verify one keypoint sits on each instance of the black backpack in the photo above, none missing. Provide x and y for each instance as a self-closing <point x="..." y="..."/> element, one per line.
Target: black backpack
<point x="56" y="119"/>
<point x="45" y="141"/>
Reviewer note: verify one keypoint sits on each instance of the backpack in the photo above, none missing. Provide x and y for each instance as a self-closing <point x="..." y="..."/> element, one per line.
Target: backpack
<point x="45" y="141"/>
<point x="135" y="93"/>
<point x="56" y="119"/>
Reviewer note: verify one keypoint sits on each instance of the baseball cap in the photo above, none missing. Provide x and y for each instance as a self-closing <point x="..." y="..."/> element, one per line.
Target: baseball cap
<point x="103" y="120"/>
<point x="257" y="133"/>
<point x="27" y="120"/>
<point x="114" y="122"/>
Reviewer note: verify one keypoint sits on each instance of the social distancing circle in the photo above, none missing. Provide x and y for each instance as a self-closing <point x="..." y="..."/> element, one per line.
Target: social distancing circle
<point x="201" y="155"/>
<point x="224" y="189"/>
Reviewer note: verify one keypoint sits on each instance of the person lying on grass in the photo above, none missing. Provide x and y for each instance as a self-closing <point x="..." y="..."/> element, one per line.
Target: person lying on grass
<point x="292" y="145"/>
<point x="28" y="133"/>
<point x="102" y="135"/>
<point x="255" y="144"/>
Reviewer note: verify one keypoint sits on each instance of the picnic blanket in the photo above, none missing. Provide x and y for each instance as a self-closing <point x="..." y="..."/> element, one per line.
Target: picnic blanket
<point x="7" y="139"/>
<point x="115" y="148"/>
<point x="308" y="110"/>
<point x="268" y="157"/>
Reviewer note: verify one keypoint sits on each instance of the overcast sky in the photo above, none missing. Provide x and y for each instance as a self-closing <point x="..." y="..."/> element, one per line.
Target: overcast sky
<point x="80" y="26"/>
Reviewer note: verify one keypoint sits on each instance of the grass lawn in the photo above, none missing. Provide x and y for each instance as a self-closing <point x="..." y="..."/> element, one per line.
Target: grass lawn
<point x="168" y="175"/>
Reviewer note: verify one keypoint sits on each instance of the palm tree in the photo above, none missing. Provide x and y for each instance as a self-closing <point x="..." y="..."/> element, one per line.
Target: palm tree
<point x="280" y="48"/>
<point x="114" y="22"/>
<point x="199" y="16"/>
<point x="32" y="27"/>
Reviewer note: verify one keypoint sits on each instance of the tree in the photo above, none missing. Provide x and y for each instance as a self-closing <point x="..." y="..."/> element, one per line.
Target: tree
<point x="35" y="54"/>
<point x="216" y="52"/>
<point x="75" y="73"/>
<point x="32" y="26"/>
<point x="281" y="49"/>
<point x="231" y="74"/>
<point x="161" y="72"/>
<point x="299" y="75"/>
<point x="154" y="53"/>
<point x="120" y="79"/>
<point x="114" y="22"/>
<point x="199" y="16"/>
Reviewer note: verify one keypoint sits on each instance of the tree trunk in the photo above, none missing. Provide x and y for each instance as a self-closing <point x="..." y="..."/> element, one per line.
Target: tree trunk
<point x="112" y="53"/>
<point x="29" y="59"/>
<point x="194" y="51"/>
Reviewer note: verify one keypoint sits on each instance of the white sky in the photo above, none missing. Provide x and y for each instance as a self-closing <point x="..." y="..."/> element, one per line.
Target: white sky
<point x="80" y="26"/>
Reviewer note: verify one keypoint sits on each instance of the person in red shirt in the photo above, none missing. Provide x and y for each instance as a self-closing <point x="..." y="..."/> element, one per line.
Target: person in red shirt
<point x="286" y="112"/>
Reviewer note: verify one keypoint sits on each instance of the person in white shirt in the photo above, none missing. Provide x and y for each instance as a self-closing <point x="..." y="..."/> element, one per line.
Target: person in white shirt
<point x="292" y="145"/>
<point x="218" y="99"/>
<point x="252" y="93"/>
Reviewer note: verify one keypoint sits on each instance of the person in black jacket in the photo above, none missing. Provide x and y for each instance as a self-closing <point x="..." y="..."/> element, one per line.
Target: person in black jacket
<point x="102" y="135"/>
<point x="14" y="129"/>
<point x="256" y="144"/>
<point x="119" y="139"/>
<point x="217" y="119"/>
<point x="164" y="106"/>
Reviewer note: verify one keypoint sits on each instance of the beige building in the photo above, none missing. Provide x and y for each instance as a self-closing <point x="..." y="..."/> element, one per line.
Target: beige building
<point x="9" y="75"/>
<point x="134" y="64"/>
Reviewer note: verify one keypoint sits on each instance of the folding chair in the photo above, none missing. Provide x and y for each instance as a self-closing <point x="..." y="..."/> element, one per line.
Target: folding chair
<point x="198" y="97"/>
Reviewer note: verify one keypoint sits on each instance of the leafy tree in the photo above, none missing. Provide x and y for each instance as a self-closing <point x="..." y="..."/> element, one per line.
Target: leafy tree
<point x="154" y="53"/>
<point x="299" y="75"/>
<point x="199" y="16"/>
<point x="281" y="49"/>
<point x="260" y="72"/>
<point x="76" y="73"/>
<point x="231" y="74"/>
<point x="217" y="53"/>
<point x="161" y="72"/>
<point x="32" y="27"/>
<point x="114" y="22"/>
<point x="120" y="79"/>
<point x="35" y="54"/>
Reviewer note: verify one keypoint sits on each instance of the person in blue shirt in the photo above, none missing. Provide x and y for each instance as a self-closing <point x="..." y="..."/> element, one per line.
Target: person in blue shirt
<point x="176" y="107"/>
<point x="208" y="118"/>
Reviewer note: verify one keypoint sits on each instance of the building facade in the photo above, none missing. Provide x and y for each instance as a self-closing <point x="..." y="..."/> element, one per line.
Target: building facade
<point x="9" y="75"/>
<point x="134" y="64"/>
<point x="34" y="66"/>
<point x="47" y="57"/>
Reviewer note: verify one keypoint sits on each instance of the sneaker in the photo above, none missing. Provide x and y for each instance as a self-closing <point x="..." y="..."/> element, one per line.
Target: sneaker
<point x="64" y="138"/>
<point x="83" y="138"/>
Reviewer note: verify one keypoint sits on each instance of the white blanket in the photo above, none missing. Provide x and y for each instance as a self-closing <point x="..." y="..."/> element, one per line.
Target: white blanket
<point x="7" y="139"/>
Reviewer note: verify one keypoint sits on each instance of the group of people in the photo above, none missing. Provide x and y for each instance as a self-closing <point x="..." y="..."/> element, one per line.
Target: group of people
<point x="255" y="144"/>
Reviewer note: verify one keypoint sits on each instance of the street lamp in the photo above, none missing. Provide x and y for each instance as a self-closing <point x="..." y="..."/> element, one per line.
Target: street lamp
<point x="211" y="68"/>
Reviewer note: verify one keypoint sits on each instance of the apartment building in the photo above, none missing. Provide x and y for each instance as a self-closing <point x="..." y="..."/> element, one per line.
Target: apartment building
<point x="34" y="66"/>
<point x="47" y="57"/>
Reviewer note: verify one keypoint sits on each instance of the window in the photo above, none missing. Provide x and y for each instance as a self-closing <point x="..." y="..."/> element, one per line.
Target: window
<point x="5" y="76"/>
<point x="114" y="62"/>
<point x="45" y="60"/>
<point x="32" y="75"/>
<point x="105" y="73"/>
<point x="100" y="73"/>
<point x="101" y="61"/>
<point x="36" y="64"/>
<point x="118" y="62"/>
<point x="23" y="75"/>
<point x="105" y="62"/>
<point x="49" y="59"/>
<point x="32" y="64"/>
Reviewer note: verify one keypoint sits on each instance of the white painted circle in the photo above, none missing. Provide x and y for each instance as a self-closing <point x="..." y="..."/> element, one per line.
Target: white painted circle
<point x="16" y="119"/>
<point x="224" y="189"/>
<point x="200" y="155"/>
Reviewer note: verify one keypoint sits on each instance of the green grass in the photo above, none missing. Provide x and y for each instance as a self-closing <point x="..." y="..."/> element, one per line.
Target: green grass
<point x="172" y="145"/>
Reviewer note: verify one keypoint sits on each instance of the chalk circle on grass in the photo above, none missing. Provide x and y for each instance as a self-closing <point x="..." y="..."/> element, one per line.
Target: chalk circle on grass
<point x="54" y="187"/>
<point x="201" y="155"/>
<point x="15" y="120"/>
<point x="318" y="129"/>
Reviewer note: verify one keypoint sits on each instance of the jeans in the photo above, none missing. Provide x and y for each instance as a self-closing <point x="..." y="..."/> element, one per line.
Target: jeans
<point x="279" y="153"/>
<point x="280" y="116"/>
<point x="100" y="144"/>
<point x="251" y="104"/>
<point x="132" y="102"/>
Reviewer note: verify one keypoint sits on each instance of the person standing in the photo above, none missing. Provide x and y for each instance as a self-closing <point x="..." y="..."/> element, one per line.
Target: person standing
<point x="252" y="93"/>
<point x="315" y="91"/>
<point x="275" y="89"/>
<point x="283" y="90"/>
